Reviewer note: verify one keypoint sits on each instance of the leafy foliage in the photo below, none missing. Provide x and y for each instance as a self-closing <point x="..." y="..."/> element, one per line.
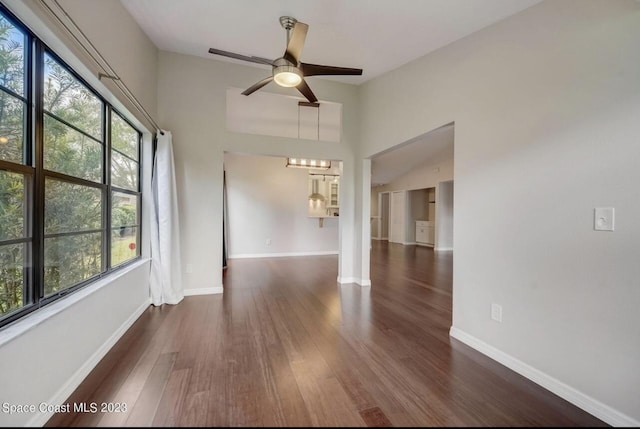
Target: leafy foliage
<point x="73" y="144"/>
<point x="67" y="98"/>
<point x="12" y="185"/>
<point x="11" y="277"/>
<point x="71" y="207"/>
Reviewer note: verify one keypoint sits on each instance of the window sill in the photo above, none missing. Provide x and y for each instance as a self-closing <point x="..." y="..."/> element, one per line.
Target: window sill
<point x="27" y="323"/>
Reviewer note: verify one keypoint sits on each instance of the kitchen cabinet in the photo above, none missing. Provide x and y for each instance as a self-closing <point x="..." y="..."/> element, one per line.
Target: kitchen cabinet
<point x="324" y="191"/>
<point x="425" y="232"/>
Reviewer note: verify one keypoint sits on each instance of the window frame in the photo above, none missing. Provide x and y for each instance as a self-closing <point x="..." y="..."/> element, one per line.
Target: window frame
<point x="35" y="174"/>
<point x="27" y="168"/>
<point x="112" y="189"/>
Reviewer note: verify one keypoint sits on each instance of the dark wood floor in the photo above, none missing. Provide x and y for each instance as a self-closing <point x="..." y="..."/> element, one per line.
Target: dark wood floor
<point x="287" y="346"/>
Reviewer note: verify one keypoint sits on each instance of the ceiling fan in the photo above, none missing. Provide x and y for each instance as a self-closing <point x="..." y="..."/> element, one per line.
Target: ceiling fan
<point x="288" y="70"/>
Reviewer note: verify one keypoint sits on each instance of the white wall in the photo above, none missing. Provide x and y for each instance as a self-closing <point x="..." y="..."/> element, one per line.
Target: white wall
<point x="277" y="115"/>
<point x="45" y="355"/>
<point x="444" y="216"/>
<point x="51" y="358"/>
<point x="425" y="176"/>
<point x="268" y="201"/>
<point x="120" y="40"/>
<point x="117" y="37"/>
<point x="192" y="104"/>
<point x="546" y="107"/>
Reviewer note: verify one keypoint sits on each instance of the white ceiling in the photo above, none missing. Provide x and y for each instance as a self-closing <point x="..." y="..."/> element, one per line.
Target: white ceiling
<point x="375" y="35"/>
<point x="433" y="147"/>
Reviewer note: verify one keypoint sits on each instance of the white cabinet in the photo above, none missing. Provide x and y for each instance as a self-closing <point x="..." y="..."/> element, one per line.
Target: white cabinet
<point x="324" y="195"/>
<point x="422" y="216"/>
<point x="425" y="232"/>
<point x="333" y="195"/>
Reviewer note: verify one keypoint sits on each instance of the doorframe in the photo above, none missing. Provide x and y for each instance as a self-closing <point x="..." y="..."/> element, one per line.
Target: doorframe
<point x="380" y="214"/>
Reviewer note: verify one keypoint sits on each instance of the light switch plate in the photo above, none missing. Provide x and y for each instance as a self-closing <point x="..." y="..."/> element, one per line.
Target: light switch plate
<point x="496" y="312"/>
<point x="603" y="219"/>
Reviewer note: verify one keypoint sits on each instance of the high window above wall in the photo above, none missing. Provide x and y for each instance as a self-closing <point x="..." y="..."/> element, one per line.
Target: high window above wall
<point x="69" y="178"/>
<point x="283" y="116"/>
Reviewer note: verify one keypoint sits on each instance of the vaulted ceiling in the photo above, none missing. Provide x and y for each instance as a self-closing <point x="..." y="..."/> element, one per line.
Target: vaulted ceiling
<point x="374" y="35"/>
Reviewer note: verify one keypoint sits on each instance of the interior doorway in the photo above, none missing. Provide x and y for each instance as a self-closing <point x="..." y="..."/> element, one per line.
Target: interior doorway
<point x="412" y="193"/>
<point x="383" y="210"/>
<point x="397" y="217"/>
<point x="293" y="213"/>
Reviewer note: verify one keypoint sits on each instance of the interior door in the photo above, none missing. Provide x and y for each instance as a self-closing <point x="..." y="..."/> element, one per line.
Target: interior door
<point x="398" y="208"/>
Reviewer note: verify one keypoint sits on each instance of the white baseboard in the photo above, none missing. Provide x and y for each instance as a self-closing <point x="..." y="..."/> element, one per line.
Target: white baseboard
<point x="280" y="255"/>
<point x="40" y="418"/>
<point x="360" y="282"/>
<point x="443" y="249"/>
<point x="204" y="291"/>
<point x="378" y="238"/>
<point x="577" y="398"/>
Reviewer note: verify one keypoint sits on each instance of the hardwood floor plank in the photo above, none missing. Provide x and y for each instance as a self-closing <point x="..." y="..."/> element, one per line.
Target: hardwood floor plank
<point x="112" y="371"/>
<point x="281" y="393"/>
<point x="287" y="346"/>
<point x="130" y="389"/>
<point x="170" y="407"/>
<point x="144" y="410"/>
<point x="375" y="418"/>
<point x="194" y="411"/>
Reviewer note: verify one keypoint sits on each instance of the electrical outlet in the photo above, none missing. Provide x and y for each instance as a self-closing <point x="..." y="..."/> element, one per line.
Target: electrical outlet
<point x="189" y="268"/>
<point x="496" y="312"/>
<point x="268" y="242"/>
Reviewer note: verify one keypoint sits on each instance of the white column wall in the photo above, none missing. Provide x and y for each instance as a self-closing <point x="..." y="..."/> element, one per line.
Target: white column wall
<point x="546" y="107"/>
<point x="192" y="104"/>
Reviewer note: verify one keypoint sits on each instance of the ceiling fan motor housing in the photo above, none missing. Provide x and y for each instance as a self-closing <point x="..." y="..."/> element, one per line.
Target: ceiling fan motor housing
<point x="285" y="73"/>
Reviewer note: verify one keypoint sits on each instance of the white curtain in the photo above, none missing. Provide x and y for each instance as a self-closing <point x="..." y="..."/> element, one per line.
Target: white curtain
<point x="166" y="267"/>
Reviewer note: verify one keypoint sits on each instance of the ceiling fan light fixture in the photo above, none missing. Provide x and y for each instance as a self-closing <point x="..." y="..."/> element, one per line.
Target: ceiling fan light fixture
<point x="287" y="76"/>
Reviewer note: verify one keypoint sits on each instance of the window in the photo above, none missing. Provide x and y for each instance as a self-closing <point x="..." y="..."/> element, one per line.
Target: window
<point x="69" y="178"/>
<point x="125" y="198"/>
<point x="16" y="174"/>
<point x="73" y="148"/>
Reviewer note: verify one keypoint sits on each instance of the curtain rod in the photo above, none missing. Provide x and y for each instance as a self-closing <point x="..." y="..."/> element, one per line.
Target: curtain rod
<point x="109" y="72"/>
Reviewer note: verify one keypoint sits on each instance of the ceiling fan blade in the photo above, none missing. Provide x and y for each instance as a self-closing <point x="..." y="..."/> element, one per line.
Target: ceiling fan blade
<point x="239" y="57"/>
<point x="320" y="70"/>
<point x="306" y="91"/>
<point x="263" y="60"/>
<point x="257" y="86"/>
<point x="296" y="42"/>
